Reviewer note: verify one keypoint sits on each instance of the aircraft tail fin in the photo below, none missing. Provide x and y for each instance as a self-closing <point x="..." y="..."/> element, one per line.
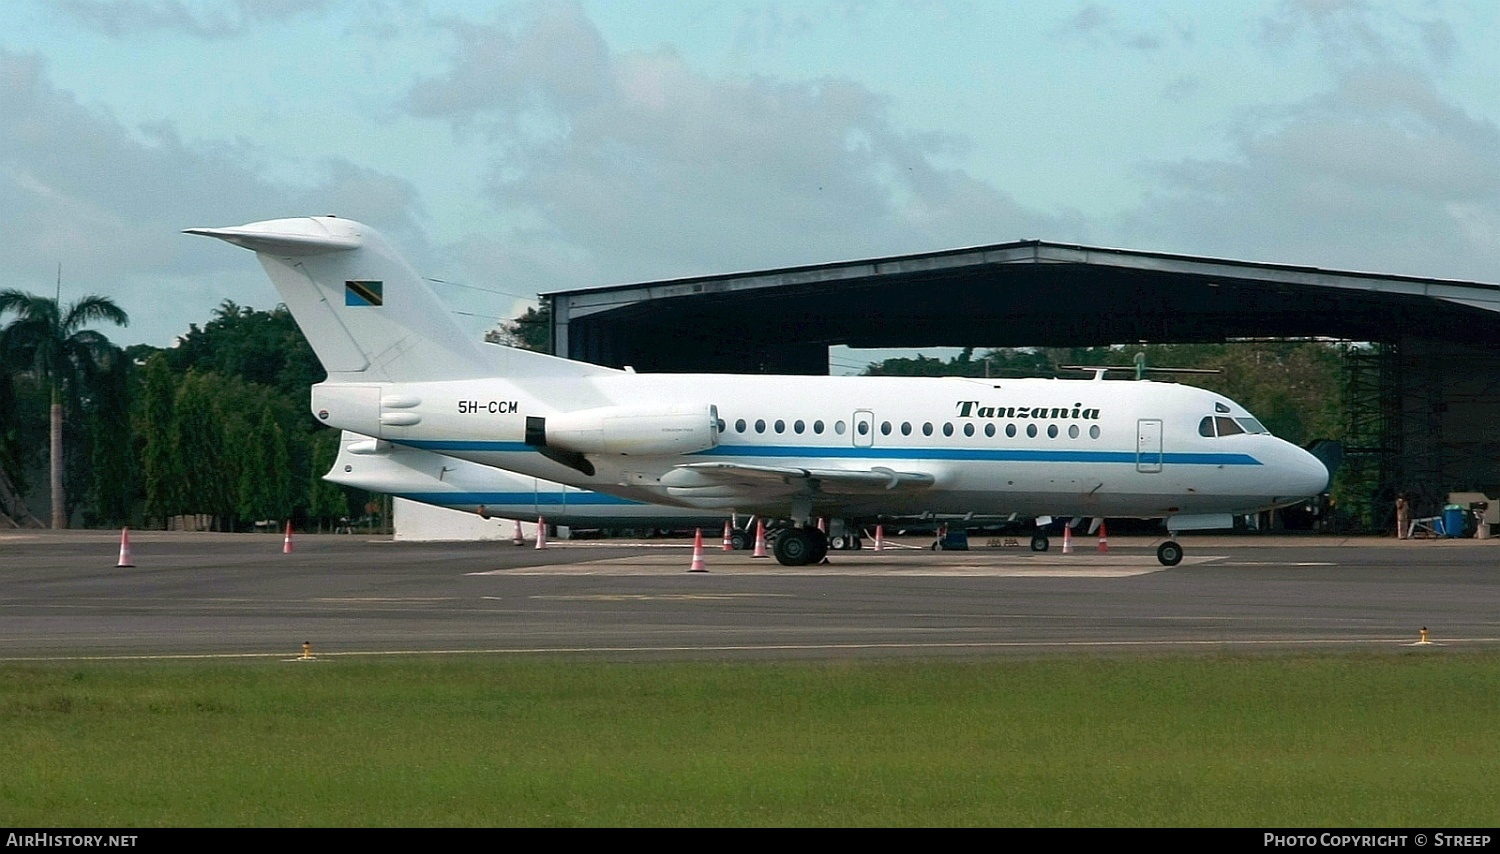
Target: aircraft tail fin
<point x="365" y="311"/>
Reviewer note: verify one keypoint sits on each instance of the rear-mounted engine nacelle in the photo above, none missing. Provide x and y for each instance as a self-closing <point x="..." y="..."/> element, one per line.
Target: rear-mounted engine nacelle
<point x="628" y="430"/>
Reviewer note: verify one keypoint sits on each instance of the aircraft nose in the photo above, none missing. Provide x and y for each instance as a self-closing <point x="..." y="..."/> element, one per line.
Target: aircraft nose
<point x="1309" y="475"/>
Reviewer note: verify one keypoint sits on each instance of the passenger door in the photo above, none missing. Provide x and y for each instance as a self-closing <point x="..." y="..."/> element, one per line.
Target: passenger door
<point x="1148" y="445"/>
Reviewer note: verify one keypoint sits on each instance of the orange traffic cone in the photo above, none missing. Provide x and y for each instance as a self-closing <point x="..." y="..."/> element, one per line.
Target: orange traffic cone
<point x="125" y="548"/>
<point x="822" y="524"/>
<point x="879" y="538"/>
<point x="728" y="544"/>
<point x="541" y="532"/>
<point x="516" y="539"/>
<point x="760" y="539"/>
<point x="286" y="544"/>
<point x="1067" y="539"/>
<point x="1103" y="538"/>
<point x="697" y="565"/>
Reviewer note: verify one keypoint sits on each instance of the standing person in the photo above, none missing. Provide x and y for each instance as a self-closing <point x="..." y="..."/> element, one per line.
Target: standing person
<point x="1403" y="517"/>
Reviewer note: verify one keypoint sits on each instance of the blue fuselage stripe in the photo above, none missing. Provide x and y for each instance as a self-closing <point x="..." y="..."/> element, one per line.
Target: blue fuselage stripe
<point x="1002" y="455"/>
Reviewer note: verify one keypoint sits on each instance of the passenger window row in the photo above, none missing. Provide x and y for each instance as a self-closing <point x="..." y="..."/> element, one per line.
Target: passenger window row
<point x="799" y="426"/>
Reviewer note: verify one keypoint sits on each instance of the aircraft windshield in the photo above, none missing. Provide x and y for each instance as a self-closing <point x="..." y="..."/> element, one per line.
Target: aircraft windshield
<point x="1251" y="425"/>
<point x="1222" y="425"/>
<point x="1227" y="426"/>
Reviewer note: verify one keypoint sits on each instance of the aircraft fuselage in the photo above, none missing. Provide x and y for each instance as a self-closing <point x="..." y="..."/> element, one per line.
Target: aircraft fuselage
<point x="1032" y="447"/>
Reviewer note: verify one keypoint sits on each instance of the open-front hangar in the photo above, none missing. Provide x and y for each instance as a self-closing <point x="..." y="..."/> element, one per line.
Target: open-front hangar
<point x="1425" y="401"/>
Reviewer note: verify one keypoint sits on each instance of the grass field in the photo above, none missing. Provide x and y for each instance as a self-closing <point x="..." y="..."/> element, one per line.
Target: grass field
<point x="1315" y="740"/>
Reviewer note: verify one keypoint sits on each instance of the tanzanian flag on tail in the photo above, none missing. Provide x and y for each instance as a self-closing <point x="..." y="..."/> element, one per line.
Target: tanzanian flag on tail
<point x="364" y="293"/>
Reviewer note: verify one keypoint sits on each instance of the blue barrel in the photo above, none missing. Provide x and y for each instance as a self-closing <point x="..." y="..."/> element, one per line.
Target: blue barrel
<point x="1453" y="520"/>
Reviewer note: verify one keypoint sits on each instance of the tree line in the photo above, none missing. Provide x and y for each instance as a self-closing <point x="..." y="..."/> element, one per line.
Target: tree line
<point x="215" y="426"/>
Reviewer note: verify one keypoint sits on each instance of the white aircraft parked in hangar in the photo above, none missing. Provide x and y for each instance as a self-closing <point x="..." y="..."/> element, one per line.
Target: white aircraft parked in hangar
<point x="788" y="447"/>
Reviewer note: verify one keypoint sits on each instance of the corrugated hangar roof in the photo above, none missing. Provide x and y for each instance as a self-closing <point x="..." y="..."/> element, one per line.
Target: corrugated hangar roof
<point x="1024" y="293"/>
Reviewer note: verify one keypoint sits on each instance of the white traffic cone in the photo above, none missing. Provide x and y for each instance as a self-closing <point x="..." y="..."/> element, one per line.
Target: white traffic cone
<point x="879" y="538"/>
<point x="697" y="565"/>
<point x="541" y="532"/>
<point x="728" y="544"/>
<point x="125" y="549"/>
<point x="760" y="539"/>
<point x="1067" y="539"/>
<point x="1103" y="538"/>
<point x="516" y="539"/>
<point x="286" y="544"/>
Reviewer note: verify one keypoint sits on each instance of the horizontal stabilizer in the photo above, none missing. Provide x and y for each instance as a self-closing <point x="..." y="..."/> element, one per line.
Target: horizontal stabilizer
<point x="298" y="236"/>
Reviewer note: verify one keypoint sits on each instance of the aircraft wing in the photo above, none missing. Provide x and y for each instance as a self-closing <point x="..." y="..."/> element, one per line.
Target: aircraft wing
<point x="776" y="479"/>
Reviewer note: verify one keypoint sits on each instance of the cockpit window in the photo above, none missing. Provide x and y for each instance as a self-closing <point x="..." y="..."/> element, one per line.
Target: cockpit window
<point x="1227" y="426"/>
<point x="1251" y="425"/>
<point x="1206" y="426"/>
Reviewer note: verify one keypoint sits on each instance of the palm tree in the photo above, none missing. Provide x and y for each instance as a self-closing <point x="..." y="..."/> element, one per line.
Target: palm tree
<point x="62" y="354"/>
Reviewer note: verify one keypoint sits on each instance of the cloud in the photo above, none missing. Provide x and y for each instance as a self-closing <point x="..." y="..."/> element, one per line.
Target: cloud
<point x="645" y="167"/>
<point x="108" y="202"/>
<point x="1378" y="173"/>
<point x="1096" y="23"/>
<point x="119" y="18"/>
<point x="1352" y="33"/>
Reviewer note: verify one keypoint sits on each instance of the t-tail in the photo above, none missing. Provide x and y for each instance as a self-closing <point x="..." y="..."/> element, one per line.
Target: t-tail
<point x="366" y="312"/>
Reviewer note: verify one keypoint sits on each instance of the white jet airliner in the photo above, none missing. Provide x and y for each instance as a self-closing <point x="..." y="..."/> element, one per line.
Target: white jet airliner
<point x="790" y="447"/>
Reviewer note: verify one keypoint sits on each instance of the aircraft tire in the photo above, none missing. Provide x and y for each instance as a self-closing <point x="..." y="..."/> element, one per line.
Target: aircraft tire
<point x="1169" y="553"/>
<point x="794" y="547"/>
<point x="1039" y="542"/>
<point x="820" y="546"/>
<point x="740" y="540"/>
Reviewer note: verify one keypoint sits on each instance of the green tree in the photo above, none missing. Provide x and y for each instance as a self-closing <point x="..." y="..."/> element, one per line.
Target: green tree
<point x="531" y="331"/>
<point x="265" y="489"/>
<point x="160" y="462"/>
<point x="63" y="355"/>
<point x="111" y="461"/>
<point x="207" y="471"/>
<point x="262" y="347"/>
<point x="327" y="502"/>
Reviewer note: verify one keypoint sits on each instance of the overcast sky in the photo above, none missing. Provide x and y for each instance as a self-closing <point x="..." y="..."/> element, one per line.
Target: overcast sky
<point x="513" y="148"/>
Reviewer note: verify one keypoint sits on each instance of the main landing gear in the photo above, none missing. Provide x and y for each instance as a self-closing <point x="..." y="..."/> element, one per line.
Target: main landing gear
<point x="800" y="546"/>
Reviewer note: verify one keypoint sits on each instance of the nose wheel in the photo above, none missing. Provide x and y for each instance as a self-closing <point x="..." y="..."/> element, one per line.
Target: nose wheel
<point x="1169" y="553"/>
